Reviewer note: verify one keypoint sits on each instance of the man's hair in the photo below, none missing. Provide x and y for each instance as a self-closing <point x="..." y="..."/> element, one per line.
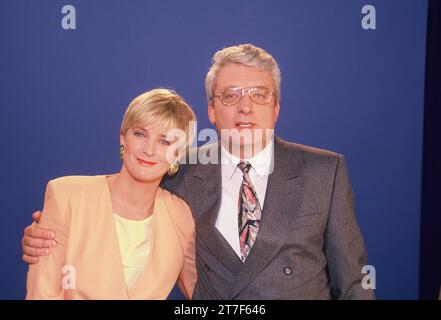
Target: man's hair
<point x="247" y="55"/>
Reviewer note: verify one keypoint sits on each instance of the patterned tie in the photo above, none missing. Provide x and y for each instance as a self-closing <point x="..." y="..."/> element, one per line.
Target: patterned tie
<point x="249" y="212"/>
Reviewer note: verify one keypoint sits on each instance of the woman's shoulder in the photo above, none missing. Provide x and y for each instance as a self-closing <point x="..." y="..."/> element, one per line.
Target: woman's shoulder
<point x="178" y="208"/>
<point x="74" y="184"/>
<point x="65" y="195"/>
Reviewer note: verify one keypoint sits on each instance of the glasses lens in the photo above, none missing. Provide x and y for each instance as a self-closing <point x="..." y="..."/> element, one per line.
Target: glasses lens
<point x="231" y="96"/>
<point x="260" y="95"/>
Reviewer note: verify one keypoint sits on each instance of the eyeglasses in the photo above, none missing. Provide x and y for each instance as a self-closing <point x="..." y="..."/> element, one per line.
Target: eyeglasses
<point x="232" y="96"/>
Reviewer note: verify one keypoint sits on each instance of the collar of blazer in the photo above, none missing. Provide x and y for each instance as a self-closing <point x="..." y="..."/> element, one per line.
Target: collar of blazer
<point x="286" y="165"/>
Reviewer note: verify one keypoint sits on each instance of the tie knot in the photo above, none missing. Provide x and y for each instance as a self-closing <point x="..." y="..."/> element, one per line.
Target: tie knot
<point x="244" y="166"/>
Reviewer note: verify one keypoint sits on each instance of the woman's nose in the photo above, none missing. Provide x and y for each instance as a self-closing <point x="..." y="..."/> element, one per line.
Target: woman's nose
<point x="149" y="147"/>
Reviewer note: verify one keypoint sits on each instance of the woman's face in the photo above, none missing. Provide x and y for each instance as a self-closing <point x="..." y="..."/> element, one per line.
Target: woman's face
<point x="148" y="153"/>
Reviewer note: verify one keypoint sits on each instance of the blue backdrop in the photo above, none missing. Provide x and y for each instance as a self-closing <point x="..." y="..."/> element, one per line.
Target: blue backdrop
<point x="354" y="91"/>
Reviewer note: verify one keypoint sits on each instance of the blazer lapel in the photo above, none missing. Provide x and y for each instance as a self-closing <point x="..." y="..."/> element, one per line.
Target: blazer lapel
<point x="113" y="264"/>
<point x="205" y="192"/>
<point x="158" y="277"/>
<point x="283" y="197"/>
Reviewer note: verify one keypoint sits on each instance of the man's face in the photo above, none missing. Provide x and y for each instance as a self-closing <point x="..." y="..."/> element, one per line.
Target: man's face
<point x="245" y="116"/>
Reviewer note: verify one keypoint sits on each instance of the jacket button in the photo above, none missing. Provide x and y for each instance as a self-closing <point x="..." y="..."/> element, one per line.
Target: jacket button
<point x="207" y="268"/>
<point x="287" y="271"/>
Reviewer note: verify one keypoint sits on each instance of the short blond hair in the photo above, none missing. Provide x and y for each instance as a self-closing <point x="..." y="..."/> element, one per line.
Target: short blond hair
<point x="247" y="55"/>
<point x="161" y="107"/>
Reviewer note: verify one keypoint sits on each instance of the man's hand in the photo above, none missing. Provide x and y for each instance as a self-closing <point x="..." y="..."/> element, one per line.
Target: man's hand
<point x="36" y="241"/>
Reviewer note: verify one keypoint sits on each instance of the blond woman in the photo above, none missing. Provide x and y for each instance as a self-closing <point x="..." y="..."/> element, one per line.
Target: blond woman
<point x="121" y="236"/>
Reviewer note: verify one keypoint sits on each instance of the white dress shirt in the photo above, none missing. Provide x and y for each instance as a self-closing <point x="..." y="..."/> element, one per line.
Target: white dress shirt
<point x="232" y="176"/>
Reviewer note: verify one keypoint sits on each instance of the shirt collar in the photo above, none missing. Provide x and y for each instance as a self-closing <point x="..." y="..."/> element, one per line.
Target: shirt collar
<point x="260" y="163"/>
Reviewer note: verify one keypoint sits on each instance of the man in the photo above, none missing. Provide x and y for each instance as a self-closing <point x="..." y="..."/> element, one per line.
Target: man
<point x="276" y="219"/>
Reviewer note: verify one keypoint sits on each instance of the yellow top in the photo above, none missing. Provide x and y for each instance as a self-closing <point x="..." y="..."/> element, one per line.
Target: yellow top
<point x="134" y="237"/>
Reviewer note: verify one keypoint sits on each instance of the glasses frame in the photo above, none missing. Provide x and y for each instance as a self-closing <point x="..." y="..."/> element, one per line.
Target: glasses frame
<point x="243" y="90"/>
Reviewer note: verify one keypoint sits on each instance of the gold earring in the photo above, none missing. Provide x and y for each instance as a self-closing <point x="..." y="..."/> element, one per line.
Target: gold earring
<point x="121" y="152"/>
<point x="173" y="169"/>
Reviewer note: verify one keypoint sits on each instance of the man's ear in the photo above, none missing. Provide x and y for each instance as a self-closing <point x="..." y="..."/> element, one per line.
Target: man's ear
<point x="211" y="113"/>
<point x="276" y="111"/>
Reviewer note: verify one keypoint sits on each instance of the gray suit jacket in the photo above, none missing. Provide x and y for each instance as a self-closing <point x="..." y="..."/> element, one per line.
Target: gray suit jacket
<point x="309" y="245"/>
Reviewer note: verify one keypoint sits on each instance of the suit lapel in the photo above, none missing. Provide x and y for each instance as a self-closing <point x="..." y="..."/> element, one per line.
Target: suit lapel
<point x="205" y="192"/>
<point x="283" y="197"/>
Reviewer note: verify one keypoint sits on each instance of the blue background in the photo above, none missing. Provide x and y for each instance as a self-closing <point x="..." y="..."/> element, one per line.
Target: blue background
<point x="357" y="92"/>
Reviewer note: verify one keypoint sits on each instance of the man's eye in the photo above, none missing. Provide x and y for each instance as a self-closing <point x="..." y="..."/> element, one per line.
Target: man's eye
<point x="260" y="93"/>
<point x="231" y="95"/>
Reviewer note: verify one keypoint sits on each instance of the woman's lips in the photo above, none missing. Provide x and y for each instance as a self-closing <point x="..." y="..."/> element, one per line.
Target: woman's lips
<point x="146" y="163"/>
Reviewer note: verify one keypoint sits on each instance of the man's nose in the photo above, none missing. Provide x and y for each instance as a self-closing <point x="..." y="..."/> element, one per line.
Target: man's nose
<point x="245" y="104"/>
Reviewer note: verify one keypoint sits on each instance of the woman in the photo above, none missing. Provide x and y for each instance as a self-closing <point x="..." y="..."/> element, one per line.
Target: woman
<point x="121" y="236"/>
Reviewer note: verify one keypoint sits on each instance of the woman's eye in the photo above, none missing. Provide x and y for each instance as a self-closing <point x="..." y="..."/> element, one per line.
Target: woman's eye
<point x="139" y="134"/>
<point x="163" y="141"/>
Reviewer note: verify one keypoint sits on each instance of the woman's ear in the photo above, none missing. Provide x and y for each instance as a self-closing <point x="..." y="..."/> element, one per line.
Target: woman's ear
<point x="179" y="153"/>
<point x="121" y="138"/>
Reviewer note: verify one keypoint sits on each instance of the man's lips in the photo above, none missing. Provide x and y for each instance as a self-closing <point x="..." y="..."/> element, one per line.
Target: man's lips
<point x="146" y="163"/>
<point x="245" y="125"/>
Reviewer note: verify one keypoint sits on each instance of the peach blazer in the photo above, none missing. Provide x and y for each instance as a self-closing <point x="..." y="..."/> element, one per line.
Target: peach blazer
<point x="86" y="263"/>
